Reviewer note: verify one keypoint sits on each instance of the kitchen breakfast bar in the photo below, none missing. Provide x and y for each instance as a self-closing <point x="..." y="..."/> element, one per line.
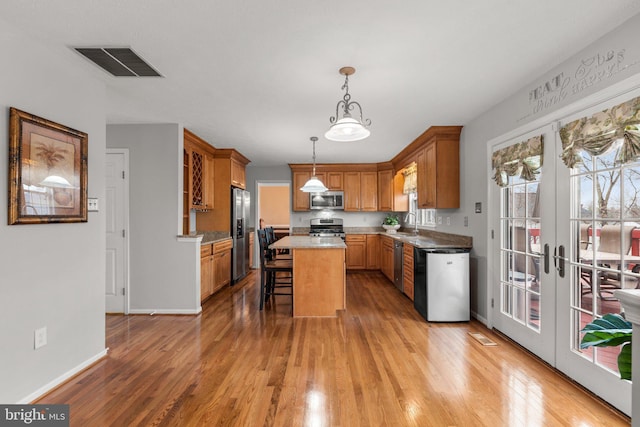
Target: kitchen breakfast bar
<point x="319" y="275"/>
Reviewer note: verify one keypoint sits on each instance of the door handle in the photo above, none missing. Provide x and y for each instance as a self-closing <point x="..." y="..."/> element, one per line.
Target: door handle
<point x="545" y="257"/>
<point x="560" y="258"/>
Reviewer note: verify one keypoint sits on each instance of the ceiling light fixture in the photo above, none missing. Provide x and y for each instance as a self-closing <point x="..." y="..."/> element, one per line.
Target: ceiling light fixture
<point x="347" y="128"/>
<point x="314" y="185"/>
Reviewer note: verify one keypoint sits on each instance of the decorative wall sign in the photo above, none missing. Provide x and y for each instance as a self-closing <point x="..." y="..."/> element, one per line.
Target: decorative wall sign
<point x="47" y="171"/>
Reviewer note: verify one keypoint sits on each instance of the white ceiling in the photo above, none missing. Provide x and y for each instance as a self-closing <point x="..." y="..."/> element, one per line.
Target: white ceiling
<point x="262" y="76"/>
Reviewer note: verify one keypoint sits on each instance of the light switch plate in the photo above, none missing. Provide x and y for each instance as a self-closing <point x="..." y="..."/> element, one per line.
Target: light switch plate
<point x="92" y="205"/>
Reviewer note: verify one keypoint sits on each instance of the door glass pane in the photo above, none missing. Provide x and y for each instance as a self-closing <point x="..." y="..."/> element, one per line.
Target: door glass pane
<point x="520" y="247"/>
<point x="605" y="256"/>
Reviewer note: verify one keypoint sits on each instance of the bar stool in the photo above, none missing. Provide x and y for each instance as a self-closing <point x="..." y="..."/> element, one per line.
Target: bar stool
<point x="276" y="275"/>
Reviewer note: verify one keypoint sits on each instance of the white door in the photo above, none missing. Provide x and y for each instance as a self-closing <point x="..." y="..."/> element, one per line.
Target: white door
<point x="581" y="215"/>
<point x="598" y="209"/>
<point x="116" y="208"/>
<point x="523" y="223"/>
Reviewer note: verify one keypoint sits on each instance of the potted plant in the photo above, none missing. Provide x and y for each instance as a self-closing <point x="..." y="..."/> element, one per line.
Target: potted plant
<point x="391" y="223"/>
<point x="611" y="330"/>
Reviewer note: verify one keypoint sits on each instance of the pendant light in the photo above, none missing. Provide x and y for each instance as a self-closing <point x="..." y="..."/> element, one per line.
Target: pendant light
<point x="314" y="185"/>
<point x="347" y="128"/>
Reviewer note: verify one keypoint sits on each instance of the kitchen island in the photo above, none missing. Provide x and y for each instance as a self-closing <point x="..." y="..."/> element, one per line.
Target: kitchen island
<point x="319" y="276"/>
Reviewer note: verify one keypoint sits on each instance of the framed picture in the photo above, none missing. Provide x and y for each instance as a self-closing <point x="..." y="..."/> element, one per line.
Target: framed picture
<point x="47" y="171"/>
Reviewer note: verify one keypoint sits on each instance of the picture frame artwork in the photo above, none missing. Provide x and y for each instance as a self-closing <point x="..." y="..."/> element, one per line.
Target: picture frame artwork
<point x="47" y="171"/>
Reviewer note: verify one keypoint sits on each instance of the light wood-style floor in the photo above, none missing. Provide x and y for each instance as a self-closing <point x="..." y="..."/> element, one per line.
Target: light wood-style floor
<point x="377" y="363"/>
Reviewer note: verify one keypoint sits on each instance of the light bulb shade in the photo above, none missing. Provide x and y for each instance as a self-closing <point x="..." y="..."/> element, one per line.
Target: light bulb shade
<point x="314" y="185"/>
<point x="347" y="129"/>
<point x="55" y="181"/>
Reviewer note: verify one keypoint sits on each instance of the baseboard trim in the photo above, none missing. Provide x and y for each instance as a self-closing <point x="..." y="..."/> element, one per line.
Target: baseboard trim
<point x="62" y="378"/>
<point x="165" y="311"/>
<point x="479" y="318"/>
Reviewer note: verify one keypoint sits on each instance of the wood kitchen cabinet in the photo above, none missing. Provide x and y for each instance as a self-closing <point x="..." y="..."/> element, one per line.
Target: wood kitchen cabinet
<point x="356" y="255"/>
<point x="206" y="272"/>
<point x="222" y="264"/>
<point x="334" y="181"/>
<point x="361" y="191"/>
<point x="390" y="192"/>
<point x="439" y="174"/>
<point x="198" y="177"/>
<point x="251" y="248"/>
<point x="373" y="252"/>
<point x="386" y="257"/>
<point x="300" y="198"/>
<point x="229" y="170"/>
<point x="407" y="270"/>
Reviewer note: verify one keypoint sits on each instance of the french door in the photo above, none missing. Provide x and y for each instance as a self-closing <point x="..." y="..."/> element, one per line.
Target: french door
<point x="548" y="234"/>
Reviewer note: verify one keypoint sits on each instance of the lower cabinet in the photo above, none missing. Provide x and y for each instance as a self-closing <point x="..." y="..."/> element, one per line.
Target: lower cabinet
<point x="363" y="251"/>
<point x="215" y="267"/>
<point x="386" y="257"/>
<point x="407" y="270"/>
<point x="356" y="255"/>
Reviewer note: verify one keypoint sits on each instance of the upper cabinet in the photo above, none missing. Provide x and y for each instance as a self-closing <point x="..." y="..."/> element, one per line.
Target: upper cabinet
<point x="361" y="191"/>
<point x="439" y="174"/>
<point x="390" y="195"/>
<point x="300" y="198"/>
<point x="437" y="154"/>
<point x="198" y="166"/>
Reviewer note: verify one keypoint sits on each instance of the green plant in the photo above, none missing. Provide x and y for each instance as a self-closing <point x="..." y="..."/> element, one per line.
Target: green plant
<point x="391" y="220"/>
<point x="611" y="330"/>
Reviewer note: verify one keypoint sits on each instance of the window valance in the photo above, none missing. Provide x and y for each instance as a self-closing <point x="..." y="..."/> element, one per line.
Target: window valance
<point x="410" y="174"/>
<point x="523" y="159"/>
<point x="602" y="132"/>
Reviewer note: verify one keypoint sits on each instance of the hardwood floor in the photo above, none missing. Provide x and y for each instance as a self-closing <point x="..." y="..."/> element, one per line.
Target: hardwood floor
<point x="377" y="363"/>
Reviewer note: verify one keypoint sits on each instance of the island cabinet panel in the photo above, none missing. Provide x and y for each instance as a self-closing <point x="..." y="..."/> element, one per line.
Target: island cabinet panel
<point x="373" y="252"/>
<point x="318" y="294"/>
<point x="300" y="198"/>
<point x="407" y="270"/>
<point x="439" y="174"/>
<point x="361" y="191"/>
<point x="386" y="257"/>
<point x="356" y="251"/>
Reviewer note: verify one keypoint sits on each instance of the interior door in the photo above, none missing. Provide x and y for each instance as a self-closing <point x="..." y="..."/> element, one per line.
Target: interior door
<point x="524" y="291"/>
<point x="116" y="228"/>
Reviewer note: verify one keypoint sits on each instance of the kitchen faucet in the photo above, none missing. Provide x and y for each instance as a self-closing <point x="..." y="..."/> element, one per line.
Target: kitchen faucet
<point x="415" y="219"/>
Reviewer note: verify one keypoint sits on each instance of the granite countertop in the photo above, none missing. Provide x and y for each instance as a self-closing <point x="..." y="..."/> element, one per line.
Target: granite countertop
<point x="308" y="242"/>
<point x="209" y="237"/>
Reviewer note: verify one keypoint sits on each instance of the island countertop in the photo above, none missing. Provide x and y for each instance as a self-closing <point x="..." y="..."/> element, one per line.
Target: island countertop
<point x="308" y="242"/>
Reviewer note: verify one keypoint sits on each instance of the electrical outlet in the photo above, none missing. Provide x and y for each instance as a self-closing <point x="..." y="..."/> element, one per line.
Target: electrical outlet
<point x="92" y="204"/>
<point x="448" y="220"/>
<point x="40" y="338"/>
<point x="439" y="220"/>
<point x="466" y="221"/>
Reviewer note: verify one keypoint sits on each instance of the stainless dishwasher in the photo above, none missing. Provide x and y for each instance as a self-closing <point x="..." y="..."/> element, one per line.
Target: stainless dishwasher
<point x="397" y="265"/>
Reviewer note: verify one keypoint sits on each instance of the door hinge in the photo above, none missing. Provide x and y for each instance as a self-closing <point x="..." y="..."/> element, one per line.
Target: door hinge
<point x="122" y="174"/>
<point x="123" y="291"/>
<point x="123" y="233"/>
<point x="491" y="302"/>
<point x="492" y="234"/>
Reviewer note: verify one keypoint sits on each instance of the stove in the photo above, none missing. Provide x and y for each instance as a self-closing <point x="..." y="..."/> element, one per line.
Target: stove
<point x="326" y="227"/>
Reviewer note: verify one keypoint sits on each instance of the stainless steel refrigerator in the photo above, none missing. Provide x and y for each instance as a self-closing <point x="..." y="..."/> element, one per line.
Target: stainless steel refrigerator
<point x="240" y="211"/>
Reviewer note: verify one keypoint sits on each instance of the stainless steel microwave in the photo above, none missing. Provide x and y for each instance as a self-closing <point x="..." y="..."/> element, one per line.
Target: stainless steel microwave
<point x="327" y="200"/>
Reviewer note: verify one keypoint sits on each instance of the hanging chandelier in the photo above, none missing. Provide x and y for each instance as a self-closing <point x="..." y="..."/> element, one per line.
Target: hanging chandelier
<point x="314" y="185"/>
<point x="347" y="128"/>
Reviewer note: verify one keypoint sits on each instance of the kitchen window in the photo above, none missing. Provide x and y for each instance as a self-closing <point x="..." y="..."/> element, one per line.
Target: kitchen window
<point x="424" y="217"/>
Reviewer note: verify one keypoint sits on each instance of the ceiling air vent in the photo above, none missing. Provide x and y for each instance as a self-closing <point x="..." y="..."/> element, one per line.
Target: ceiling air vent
<point x="119" y="61"/>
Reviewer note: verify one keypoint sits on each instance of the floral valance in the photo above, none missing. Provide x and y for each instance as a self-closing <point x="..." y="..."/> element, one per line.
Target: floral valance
<point x="602" y="132"/>
<point x="523" y="159"/>
<point x="410" y="174"/>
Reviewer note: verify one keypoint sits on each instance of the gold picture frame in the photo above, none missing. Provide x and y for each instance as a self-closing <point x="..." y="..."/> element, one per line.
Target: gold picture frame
<point x="47" y="171"/>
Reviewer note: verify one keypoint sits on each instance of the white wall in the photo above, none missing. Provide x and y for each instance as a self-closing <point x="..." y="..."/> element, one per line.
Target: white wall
<point x="584" y="74"/>
<point x="164" y="275"/>
<point x="51" y="275"/>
